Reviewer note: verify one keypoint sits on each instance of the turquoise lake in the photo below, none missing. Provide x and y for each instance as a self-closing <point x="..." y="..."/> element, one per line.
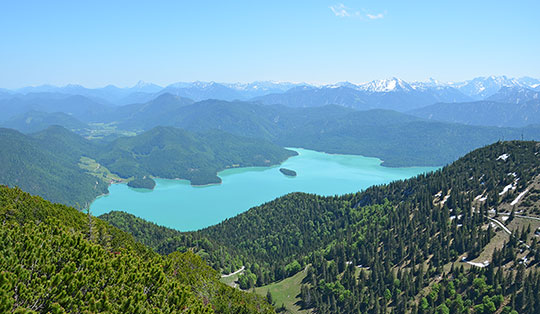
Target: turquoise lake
<point x="177" y="204"/>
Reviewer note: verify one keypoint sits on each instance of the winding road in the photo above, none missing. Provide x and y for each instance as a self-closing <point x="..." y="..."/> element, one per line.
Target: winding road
<point x="236" y="272"/>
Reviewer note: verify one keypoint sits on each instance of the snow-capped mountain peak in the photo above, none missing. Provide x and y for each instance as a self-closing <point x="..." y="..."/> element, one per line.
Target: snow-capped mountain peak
<point x="261" y="86"/>
<point x="342" y="84"/>
<point x="482" y="87"/>
<point x="142" y="84"/>
<point x="389" y="85"/>
<point x="200" y="84"/>
<point x="195" y="84"/>
<point x="429" y="84"/>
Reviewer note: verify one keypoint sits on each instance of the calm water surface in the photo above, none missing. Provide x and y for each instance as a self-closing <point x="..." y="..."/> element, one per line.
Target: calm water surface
<point x="177" y="204"/>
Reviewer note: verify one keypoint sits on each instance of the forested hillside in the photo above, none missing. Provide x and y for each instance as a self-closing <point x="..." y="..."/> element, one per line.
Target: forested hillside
<point x="168" y="152"/>
<point x="400" y="246"/>
<point x="55" y="259"/>
<point x="48" y="167"/>
<point x="47" y="163"/>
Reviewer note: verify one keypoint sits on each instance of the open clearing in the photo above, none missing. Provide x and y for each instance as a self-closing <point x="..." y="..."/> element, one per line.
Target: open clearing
<point x="286" y="292"/>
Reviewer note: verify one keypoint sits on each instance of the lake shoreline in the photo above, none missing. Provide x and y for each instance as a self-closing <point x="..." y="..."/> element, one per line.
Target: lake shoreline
<point x="125" y="181"/>
<point x="177" y="204"/>
<point x="382" y="162"/>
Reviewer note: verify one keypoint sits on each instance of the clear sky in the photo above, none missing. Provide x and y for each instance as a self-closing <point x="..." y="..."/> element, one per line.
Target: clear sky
<point x="120" y="42"/>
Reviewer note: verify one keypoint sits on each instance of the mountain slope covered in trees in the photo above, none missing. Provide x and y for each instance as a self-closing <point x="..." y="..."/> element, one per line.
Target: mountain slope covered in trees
<point x="168" y="152"/>
<point x="46" y="167"/>
<point x="55" y="259"/>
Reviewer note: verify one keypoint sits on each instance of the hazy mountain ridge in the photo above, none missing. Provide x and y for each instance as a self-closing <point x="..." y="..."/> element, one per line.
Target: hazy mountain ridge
<point x="515" y="95"/>
<point x="34" y="121"/>
<point x="143" y="92"/>
<point x="510" y="106"/>
<point x="109" y="93"/>
<point x="80" y="107"/>
<point x="395" y="93"/>
<point x="153" y="110"/>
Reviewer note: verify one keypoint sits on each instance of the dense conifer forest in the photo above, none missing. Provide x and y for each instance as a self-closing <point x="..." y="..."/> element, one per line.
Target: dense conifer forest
<point x="55" y="259"/>
<point x="28" y="162"/>
<point x="142" y="183"/>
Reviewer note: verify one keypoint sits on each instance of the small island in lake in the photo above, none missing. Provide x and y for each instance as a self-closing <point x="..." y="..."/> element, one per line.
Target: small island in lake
<point x="142" y="183"/>
<point x="288" y="172"/>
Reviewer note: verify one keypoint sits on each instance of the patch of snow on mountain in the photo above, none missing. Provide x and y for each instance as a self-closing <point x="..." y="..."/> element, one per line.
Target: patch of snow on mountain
<point x="514" y="202"/>
<point x="503" y="157"/>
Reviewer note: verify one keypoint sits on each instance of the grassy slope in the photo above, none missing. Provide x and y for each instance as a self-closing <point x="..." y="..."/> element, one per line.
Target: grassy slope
<point x="97" y="170"/>
<point x="286" y="292"/>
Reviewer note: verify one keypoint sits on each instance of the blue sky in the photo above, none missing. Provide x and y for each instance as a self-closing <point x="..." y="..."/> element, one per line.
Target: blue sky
<point x="120" y="42"/>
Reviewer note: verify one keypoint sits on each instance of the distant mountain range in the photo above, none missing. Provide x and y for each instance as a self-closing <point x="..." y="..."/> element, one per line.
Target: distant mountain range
<point x="224" y="91"/>
<point x="392" y="93"/>
<point x="143" y="92"/>
<point x="486" y="101"/>
<point x="483" y="87"/>
<point x="515" y="95"/>
<point x="108" y="94"/>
